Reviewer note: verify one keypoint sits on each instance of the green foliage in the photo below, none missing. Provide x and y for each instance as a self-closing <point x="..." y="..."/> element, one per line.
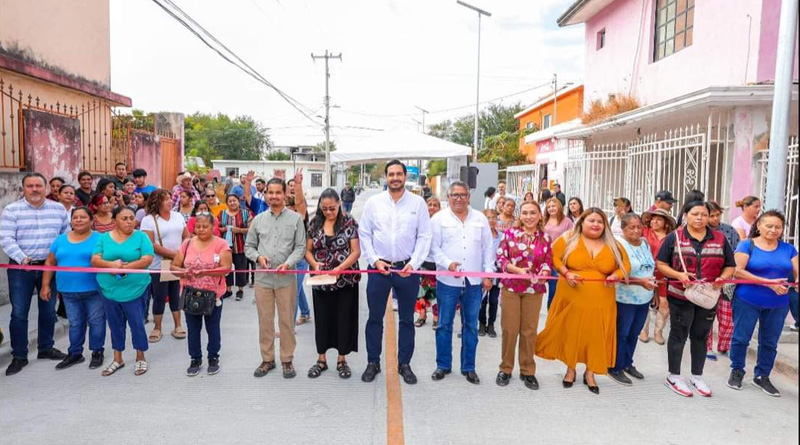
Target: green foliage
<point x="220" y="137"/>
<point x="278" y="156"/>
<point x="320" y="148"/>
<point x="498" y="128"/>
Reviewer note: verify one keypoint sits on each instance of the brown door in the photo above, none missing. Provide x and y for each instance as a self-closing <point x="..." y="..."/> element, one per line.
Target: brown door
<point x="170" y="162"/>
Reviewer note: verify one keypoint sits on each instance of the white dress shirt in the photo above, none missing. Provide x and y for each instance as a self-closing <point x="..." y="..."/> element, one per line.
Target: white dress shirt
<point x="395" y="231"/>
<point x="469" y="243"/>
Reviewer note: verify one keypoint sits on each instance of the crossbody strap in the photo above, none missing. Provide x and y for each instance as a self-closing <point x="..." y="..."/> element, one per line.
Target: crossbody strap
<point x="158" y="231"/>
<point x="680" y="254"/>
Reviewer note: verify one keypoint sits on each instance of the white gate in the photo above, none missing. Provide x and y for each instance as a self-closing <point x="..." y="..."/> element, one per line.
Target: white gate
<point x="792" y="186"/>
<point x="598" y="174"/>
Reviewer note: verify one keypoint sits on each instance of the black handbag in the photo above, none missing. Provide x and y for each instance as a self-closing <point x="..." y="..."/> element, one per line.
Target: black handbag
<point x="197" y="301"/>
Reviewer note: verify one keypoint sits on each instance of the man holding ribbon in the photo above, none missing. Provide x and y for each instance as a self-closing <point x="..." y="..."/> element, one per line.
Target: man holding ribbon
<point x="395" y="236"/>
<point x="27" y="229"/>
<point x="462" y="242"/>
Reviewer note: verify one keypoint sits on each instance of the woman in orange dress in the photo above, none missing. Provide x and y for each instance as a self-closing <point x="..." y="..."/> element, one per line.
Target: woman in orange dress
<point x="581" y="323"/>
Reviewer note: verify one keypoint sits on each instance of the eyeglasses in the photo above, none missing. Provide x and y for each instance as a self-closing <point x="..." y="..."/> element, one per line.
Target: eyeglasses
<point x="211" y="196"/>
<point x="458" y="196"/>
<point x="329" y="209"/>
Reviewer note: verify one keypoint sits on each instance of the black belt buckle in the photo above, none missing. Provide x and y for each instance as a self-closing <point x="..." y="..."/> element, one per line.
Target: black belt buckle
<point x="36" y="263"/>
<point x="397" y="264"/>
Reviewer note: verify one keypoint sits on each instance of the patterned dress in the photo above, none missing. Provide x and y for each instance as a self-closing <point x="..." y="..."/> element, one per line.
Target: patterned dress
<point x="532" y="252"/>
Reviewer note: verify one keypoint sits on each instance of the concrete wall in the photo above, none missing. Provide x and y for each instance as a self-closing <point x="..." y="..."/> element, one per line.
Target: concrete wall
<point x="73" y="36"/>
<point x="733" y="44"/>
<point x="270" y="169"/>
<point x="145" y="152"/>
<point x="52" y="145"/>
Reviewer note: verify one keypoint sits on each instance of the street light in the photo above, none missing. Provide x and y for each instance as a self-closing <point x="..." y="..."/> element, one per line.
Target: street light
<point x="478" y="75"/>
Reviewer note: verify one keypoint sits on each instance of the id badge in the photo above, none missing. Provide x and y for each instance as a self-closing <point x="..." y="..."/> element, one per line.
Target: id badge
<point x="216" y="258"/>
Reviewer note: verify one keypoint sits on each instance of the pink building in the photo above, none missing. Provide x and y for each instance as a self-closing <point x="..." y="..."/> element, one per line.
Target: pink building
<point x="702" y="75"/>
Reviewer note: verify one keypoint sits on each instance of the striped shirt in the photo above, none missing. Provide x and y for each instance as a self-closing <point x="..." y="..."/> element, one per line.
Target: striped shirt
<point x="28" y="232"/>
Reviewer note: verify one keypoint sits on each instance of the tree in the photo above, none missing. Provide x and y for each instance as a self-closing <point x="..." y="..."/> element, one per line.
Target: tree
<point x="220" y="137"/>
<point x="278" y="156"/>
<point x="320" y="147"/>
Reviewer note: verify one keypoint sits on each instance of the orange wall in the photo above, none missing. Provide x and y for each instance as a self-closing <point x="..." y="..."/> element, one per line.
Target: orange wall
<point x="568" y="107"/>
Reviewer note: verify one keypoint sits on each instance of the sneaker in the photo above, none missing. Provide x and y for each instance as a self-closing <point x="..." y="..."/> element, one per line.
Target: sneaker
<point x="16" y="365"/>
<point x="766" y="386"/>
<point x="620" y="377"/>
<point x="679" y="386"/>
<point x="700" y="386"/>
<point x="633" y="372"/>
<point x="97" y="360"/>
<point x="239" y="295"/>
<point x="794" y="328"/>
<point x="72" y="359"/>
<point x="194" y="367"/>
<point x="482" y="330"/>
<point x="490" y="331"/>
<point x="711" y="356"/>
<point x="735" y="380"/>
<point x="51" y="354"/>
<point x="213" y="366"/>
<point x="369" y="374"/>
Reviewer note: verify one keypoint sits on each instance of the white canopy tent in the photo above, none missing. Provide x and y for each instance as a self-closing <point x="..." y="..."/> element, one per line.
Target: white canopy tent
<point x="384" y="145"/>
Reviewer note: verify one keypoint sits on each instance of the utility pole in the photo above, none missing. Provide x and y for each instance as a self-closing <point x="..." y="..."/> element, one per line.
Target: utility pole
<point x="424" y="112"/>
<point x="555" y="98"/>
<point x="781" y="106"/>
<point x="480" y="12"/>
<point x="327" y="57"/>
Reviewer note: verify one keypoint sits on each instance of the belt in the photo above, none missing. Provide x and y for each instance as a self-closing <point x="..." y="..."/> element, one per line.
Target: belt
<point x="396" y="264"/>
<point x="32" y="263"/>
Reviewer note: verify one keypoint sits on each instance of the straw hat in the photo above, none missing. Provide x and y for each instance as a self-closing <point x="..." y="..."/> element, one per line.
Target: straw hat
<point x="186" y="175"/>
<point x="647" y="216"/>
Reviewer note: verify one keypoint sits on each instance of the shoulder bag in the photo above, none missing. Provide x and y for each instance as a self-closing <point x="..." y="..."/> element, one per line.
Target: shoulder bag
<point x="197" y="301"/>
<point x="166" y="264"/>
<point x="701" y="294"/>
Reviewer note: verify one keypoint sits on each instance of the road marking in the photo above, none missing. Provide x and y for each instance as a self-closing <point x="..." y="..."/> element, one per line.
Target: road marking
<point x="394" y="397"/>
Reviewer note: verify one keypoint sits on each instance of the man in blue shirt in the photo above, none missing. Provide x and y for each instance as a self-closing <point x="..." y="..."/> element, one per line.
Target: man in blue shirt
<point x="140" y="178"/>
<point x="238" y="189"/>
<point x="27" y="229"/>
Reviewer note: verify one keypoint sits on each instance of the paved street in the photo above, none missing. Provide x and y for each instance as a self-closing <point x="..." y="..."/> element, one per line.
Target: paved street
<point x="78" y="406"/>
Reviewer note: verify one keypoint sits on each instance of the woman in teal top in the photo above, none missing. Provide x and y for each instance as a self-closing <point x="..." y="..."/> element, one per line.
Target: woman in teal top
<point x="633" y="298"/>
<point x="124" y="248"/>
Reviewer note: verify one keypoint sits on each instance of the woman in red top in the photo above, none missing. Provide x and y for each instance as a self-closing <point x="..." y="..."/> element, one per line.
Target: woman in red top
<point x="657" y="224"/>
<point x="204" y="260"/>
<point x="233" y="225"/>
<point x="102" y="207"/>
<point x="200" y="208"/>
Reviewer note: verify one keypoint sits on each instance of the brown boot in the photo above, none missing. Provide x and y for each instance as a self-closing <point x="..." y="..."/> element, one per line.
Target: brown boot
<point x="659" y="337"/>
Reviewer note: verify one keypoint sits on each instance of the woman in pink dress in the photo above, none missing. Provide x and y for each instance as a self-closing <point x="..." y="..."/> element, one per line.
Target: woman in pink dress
<point x="555" y="225"/>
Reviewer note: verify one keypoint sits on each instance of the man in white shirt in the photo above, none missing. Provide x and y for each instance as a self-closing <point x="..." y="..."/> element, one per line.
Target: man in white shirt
<point x="395" y="234"/>
<point x="501" y="193"/>
<point x="462" y="242"/>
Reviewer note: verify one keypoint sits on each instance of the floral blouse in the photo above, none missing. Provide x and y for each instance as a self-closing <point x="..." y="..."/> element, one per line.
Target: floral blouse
<point x="331" y="251"/>
<point x="519" y="249"/>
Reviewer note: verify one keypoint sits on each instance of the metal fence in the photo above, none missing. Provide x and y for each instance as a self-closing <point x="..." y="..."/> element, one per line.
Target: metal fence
<point x="792" y="188"/>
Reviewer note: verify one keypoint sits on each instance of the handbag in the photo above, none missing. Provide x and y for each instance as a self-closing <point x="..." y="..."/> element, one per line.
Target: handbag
<point x="701" y="294"/>
<point x="166" y="264"/>
<point x="197" y="301"/>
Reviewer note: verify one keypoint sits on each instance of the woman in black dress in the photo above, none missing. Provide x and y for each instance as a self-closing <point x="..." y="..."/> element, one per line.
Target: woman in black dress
<point x="333" y="245"/>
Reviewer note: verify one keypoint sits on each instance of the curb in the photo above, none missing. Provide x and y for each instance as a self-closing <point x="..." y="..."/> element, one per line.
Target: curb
<point x="61" y="330"/>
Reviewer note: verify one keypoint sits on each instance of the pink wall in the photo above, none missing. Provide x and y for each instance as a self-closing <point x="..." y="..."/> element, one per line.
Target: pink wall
<point x="146" y="154"/>
<point x="52" y="145"/>
<point x="718" y="55"/>
<point x="767" y="52"/>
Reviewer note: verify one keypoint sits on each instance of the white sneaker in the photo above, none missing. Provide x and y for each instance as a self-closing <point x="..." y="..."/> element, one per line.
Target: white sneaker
<point x="700" y="386"/>
<point x="679" y="386"/>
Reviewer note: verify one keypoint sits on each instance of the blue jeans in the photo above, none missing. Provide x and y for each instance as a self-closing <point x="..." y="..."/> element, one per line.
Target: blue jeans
<point x="491" y="301"/>
<point x="132" y="313"/>
<point x="448" y="297"/>
<point x="85" y="308"/>
<point x="194" y="324"/>
<point x="21" y="285"/>
<point x="770" y="324"/>
<point x="348" y="206"/>
<point x="551" y="288"/>
<point x="405" y="289"/>
<point x="630" y="321"/>
<point x="302" y="300"/>
<point x="793" y="301"/>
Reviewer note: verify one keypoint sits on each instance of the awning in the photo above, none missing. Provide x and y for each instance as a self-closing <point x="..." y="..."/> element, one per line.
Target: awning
<point x="383" y="145"/>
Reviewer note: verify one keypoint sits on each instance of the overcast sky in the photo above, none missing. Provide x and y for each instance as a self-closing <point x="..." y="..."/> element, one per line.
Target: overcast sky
<point x="396" y="54"/>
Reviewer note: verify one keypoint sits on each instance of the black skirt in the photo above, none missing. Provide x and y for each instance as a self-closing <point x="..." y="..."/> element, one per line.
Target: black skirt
<point x="336" y="319"/>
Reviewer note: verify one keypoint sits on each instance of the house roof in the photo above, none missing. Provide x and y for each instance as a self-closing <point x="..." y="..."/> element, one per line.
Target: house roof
<point x="732" y="96"/>
<point x="548" y="133"/>
<point x="581" y="11"/>
<point x="549" y="98"/>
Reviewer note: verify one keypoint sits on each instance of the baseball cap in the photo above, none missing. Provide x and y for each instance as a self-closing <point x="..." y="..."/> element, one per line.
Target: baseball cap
<point x="666" y="196"/>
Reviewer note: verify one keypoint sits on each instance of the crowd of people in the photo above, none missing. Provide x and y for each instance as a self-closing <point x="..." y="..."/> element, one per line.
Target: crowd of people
<point x="604" y="277"/>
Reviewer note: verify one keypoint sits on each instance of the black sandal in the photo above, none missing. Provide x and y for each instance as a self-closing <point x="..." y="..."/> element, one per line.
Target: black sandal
<point x="420" y="322"/>
<point x="317" y="369"/>
<point x="344" y="369"/>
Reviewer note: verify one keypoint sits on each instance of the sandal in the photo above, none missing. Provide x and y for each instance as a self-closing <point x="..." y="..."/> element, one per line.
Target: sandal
<point x="155" y="336"/>
<point x="112" y="368"/>
<point x="344" y="369"/>
<point x="419" y="322"/>
<point x="140" y="367"/>
<point x="288" y="370"/>
<point x="179" y="333"/>
<point x="317" y="369"/>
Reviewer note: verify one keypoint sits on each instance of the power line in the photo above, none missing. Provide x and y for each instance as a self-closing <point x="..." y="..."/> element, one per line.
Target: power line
<point x="297" y="105"/>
